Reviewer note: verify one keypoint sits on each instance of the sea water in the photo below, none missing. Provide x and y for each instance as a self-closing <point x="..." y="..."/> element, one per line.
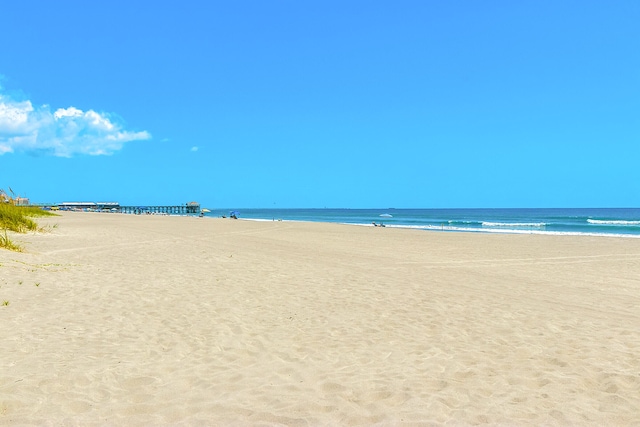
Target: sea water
<point x="623" y="222"/>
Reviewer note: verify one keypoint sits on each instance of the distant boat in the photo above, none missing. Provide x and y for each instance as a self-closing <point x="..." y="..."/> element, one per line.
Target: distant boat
<point x="386" y="216"/>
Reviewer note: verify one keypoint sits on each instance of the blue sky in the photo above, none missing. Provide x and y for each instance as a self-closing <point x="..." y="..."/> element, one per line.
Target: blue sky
<point x="322" y="103"/>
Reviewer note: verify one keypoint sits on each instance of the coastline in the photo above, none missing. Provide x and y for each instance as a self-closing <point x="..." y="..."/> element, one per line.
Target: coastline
<point x="617" y="222"/>
<point x="167" y="319"/>
<point x="447" y="229"/>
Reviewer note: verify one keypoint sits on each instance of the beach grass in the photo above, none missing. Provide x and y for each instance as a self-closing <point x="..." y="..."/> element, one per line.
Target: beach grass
<point x="6" y="243"/>
<point x="17" y="219"/>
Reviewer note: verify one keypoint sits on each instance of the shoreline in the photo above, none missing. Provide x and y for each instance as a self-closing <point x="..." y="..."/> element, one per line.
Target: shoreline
<point x="143" y="319"/>
<point x="619" y="222"/>
<point x="570" y="221"/>
<point x="448" y="229"/>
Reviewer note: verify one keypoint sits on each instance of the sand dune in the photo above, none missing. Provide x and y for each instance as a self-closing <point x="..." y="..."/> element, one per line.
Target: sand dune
<point x="150" y="320"/>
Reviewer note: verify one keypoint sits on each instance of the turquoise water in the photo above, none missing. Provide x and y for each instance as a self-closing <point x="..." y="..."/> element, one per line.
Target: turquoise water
<point x="611" y="222"/>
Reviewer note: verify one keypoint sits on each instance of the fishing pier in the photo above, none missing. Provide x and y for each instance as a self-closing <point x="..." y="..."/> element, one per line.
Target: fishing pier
<point x="169" y="210"/>
<point x="191" y="208"/>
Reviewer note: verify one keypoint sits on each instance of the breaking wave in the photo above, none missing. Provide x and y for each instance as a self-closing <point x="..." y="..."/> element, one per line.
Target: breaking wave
<point x="614" y="222"/>
<point x="514" y="224"/>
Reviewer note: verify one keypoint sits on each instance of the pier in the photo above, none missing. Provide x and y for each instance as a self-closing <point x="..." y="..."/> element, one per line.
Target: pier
<point x="191" y="208"/>
<point x="187" y="209"/>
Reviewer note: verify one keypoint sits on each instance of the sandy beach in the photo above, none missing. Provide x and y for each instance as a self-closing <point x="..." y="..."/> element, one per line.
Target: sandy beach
<point x="111" y="319"/>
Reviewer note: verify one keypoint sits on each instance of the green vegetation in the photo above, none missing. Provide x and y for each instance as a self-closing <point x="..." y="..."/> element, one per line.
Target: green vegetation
<point x="17" y="219"/>
<point x="6" y="243"/>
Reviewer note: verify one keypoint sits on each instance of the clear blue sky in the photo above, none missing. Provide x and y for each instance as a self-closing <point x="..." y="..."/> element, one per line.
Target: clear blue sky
<point x="262" y="103"/>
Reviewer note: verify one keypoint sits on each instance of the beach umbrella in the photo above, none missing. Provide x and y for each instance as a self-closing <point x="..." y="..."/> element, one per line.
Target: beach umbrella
<point x="205" y="210"/>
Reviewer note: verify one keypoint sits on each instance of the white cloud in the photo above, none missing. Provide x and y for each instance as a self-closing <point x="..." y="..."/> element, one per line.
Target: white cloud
<point x="194" y="148"/>
<point x="63" y="133"/>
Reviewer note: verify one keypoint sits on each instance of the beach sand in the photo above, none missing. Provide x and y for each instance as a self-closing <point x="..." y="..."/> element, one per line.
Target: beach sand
<point x="154" y="320"/>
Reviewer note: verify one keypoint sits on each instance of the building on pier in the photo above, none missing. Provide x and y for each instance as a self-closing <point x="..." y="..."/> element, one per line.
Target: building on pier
<point x="88" y="206"/>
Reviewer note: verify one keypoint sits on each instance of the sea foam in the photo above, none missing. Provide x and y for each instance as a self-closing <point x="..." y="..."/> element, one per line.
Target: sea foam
<point x="514" y="224"/>
<point x="615" y="222"/>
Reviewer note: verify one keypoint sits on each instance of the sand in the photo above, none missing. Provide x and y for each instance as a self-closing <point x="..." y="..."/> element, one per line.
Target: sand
<point x="152" y="320"/>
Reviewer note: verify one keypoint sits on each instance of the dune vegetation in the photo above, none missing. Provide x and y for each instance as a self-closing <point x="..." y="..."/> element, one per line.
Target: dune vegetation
<point x="18" y="219"/>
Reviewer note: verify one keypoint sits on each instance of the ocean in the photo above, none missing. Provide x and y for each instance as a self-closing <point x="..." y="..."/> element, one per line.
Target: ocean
<point x="621" y="222"/>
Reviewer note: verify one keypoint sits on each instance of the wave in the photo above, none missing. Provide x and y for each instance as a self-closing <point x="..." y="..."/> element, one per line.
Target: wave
<point x="614" y="222"/>
<point x="514" y="224"/>
<point x="515" y="231"/>
<point x="468" y="229"/>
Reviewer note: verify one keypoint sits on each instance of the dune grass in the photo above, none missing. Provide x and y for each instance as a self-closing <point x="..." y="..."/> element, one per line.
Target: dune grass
<point x="17" y="219"/>
<point x="6" y="243"/>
